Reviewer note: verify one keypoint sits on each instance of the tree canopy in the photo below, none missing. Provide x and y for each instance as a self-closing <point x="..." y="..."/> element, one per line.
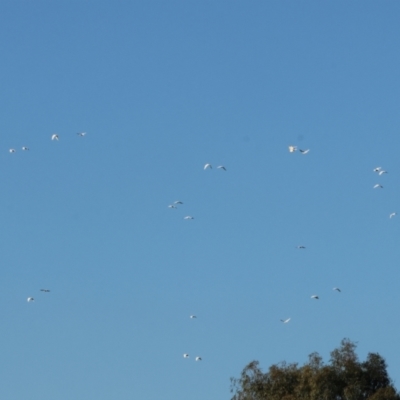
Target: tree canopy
<point x="343" y="378"/>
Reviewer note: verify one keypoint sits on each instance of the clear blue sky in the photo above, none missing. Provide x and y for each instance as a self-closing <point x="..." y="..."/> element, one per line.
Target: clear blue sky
<point x="163" y="87"/>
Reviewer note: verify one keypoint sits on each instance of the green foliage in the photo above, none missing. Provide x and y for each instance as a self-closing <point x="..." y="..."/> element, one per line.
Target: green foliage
<point x="344" y="378"/>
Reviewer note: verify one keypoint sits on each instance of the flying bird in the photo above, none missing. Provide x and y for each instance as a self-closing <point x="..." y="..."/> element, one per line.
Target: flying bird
<point x="172" y="206"/>
<point x="208" y="166"/>
<point x="300" y="247"/>
<point x="337" y="289"/>
<point x="377" y="169"/>
<point x="45" y="290"/>
<point x="25" y="148"/>
<point x="186" y="355"/>
<point x="381" y="172"/>
<point x="221" y="167"/>
<point x="198" y="358"/>
<point x="29" y="299"/>
<point x="292" y="149"/>
<point x="285" y="321"/>
<point x="12" y="150"/>
<point x="188" y="217"/>
<point x="178" y="202"/>
<point x="378" y="186"/>
<point x="54" y="137"/>
<point x="314" y="296"/>
<point x="392" y="215"/>
<point x="193" y="316"/>
<point x="304" y="151"/>
<point x="81" y="134"/>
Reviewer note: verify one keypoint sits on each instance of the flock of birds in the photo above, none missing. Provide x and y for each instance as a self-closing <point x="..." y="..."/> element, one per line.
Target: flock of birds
<point x="55" y="136"/>
<point x="292" y="149"/>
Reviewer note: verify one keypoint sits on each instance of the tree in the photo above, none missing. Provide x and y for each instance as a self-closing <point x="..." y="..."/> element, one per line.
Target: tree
<point x="343" y="378"/>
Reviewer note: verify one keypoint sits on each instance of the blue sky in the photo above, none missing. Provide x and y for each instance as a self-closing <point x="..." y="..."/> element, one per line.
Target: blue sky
<point x="161" y="88"/>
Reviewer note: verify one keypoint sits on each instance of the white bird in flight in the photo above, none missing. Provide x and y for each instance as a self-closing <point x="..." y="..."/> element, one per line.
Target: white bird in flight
<point x="221" y="167"/>
<point x="377" y="169"/>
<point x="208" y="166"/>
<point x="81" y="134"/>
<point x="193" y="316"/>
<point x="285" y="321"/>
<point x="392" y="215"/>
<point x="178" y="202"/>
<point x="314" y="296"/>
<point x="54" y="137"/>
<point x="378" y="186"/>
<point x="292" y="149"/>
<point x="186" y="355"/>
<point x="381" y="172"/>
<point x="25" y="148"/>
<point x="12" y="150"/>
<point x="337" y="289"/>
<point x="304" y="151"/>
<point x="29" y="299"/>
<point x="188" y="217"/>
<point x="172" y="206"/>
<point x="198" y="358"/>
